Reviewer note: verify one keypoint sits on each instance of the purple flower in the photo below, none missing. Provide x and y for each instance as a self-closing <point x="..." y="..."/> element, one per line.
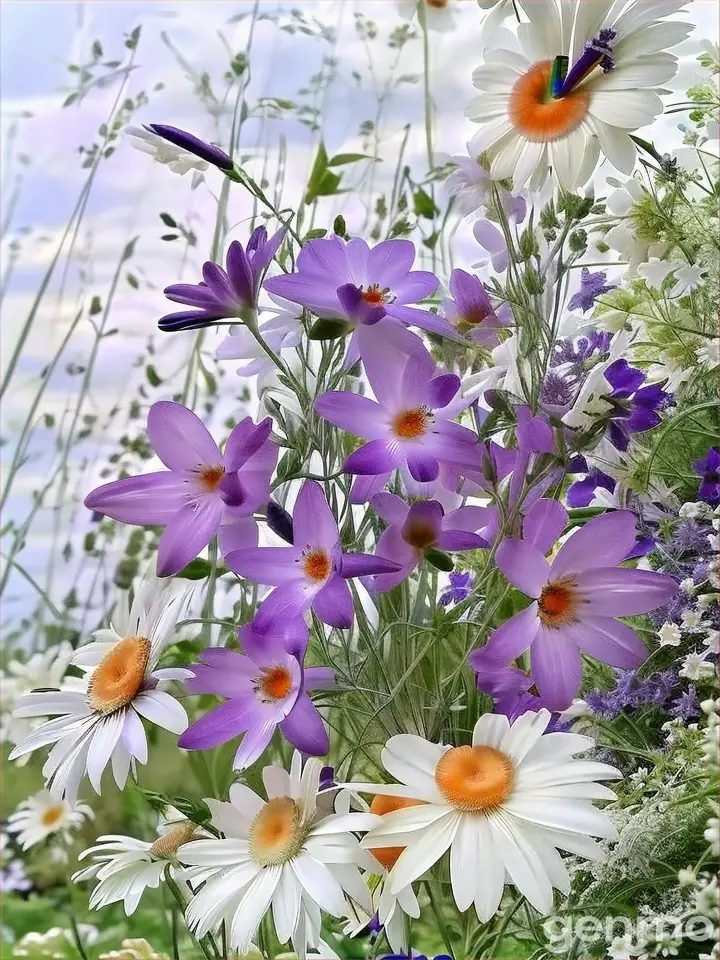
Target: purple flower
<point x="576" y="352"/>
<point x="224" y="294"/>
<point x="582" y="492"/>
<point x="354" y="283"/>
<point x="187" y="141"/>
<point x="266" y="687"/>
<point x="423" y="526"/>
<point x="459" y="589"/>
<point x="575" y="599"/>
<point x="709" y="470"/>
<point x="13" y="878"/>
<point x="202" y="493"/>
<point x="470" y="309"/>
<point x="409" y="423"/>
<point x="558" y="392"/>
<point x="687" y="705"/>
<point x="512" y="690"/>
<point x="312" y="572"/>
<point x="635" y="406"/>
<point x="592" y="286"/>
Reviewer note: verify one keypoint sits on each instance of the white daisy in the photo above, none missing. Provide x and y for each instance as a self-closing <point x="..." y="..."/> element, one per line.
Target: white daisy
<point x="126" y="867"/>
<point x="291" y="854"/>
<point x="583" y="77"/>
<point x="101" y="722"/>
<point x="501" y="806"/>
<point x="162" y="151"/>
<point x="42" y="815"/>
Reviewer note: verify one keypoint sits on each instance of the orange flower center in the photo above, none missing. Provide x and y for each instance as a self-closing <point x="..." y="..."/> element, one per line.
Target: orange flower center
<point x="556" y="605"/>
<point x="211" y="477"/>
<point x="52" y="815"/>
<point x="388" y="856"/>
<point x="411" y="424"/>
<point x="474" y="779"/>
<point x="317" y="565"/>
<point x="276" y="834"/>
<point x="375" y="296"/>
<point x="420" y="536"/>
<point x="170" y="842"/>
<point x="119" y="675"/>
<point x="275" y="683"/>
<point x="438" y="4"/>
<point x="539" y="116"/>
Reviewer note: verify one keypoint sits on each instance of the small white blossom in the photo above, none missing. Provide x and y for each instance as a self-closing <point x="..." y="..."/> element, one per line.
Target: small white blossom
<point x="686" y="877"/>
<point x="706" y="898"/>
<point x="692" y="620"/>
<point x="694" y="511"/>
<point x="696" y="667"/>
<point x="711" y="640"/>
<point x="708" y="356"/>
<point x="706" y="600"/>
<point x="669" y="635"/>
<point x="655" y="271"/>
<point x="688" y="586"/>
<point x="712" y="835"/>
<point x="687" y="279"/>
<point x="712" y="539"/>
<point x="162" y="151"/>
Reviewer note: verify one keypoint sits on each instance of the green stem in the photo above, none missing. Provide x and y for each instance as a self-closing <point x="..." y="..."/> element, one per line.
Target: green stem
<point x="442" y="923"/>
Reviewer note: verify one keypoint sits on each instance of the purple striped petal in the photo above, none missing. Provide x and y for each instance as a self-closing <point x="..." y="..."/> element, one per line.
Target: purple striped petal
<point x="304" y="729"/>
<point x="509" y="640"/>
<point x="603" y="541"/>
<point x="441" y="390"/>
<point x="423" y="466"/>
<point x="333" y="603"/>
<point x="256" y="739"/>
<point x="460" y="540"/>
<point x="240" y="275"/>
<point x="219" y="283"/>
<point x="543" y="524"/>
<point x="610" y="641"/>
<point x="392" y="548"/>
<point x="353" y="413"/>
<point x="245" y="441"/>
<point x="623" y="592"/>
<point x="189" y="320"/>
<point x="389" y="263"/>
<point x="365" y="565"/>
<point x="154" y="498"/>
<point x="220" y="725"/>
<point x="313" y="520"/>
<point x="364" y="488"/>
<point x="269" y="643"/>
<point x="392" y="509"/>
<point x="373" y="458"/>
<point x="180" y="438"/>
<point x="189" y="532"/>
<point x="231" y="680"/>
<point x="556" y="667"/>
<point x="267" y="565"/>
<point x="193" y="294"/>
<point x="523" y="565"/>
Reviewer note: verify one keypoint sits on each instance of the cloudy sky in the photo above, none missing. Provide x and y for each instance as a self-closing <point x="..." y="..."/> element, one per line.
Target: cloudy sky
<point x="43" y="176"/>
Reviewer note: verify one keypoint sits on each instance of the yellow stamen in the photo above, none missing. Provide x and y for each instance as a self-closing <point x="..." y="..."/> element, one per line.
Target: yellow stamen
<point x="537" y="115"/>
<point x="276" y="835"/>
<point x="474" y="779"/>
<point x="411" y="424"/>
<point x="317" y="565"/>
<point x="556" y="605"/>
<point x="374" y="296"/>
<point x="275" y="683"/>
<point x="211" y="477"/>
<point x="52" y="815"/>
<point x="119" y="675"/>
<point x="388" y="856"/>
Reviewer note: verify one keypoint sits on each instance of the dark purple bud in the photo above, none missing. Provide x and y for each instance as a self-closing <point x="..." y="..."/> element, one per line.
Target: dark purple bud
<point x="186" y="141"/>
<point x="280" y="521"/>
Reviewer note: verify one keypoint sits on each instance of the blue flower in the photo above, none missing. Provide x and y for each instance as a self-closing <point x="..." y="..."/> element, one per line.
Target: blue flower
<point x="592" y="286"/>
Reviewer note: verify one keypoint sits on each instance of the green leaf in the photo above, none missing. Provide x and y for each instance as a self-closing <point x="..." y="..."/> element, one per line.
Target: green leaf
<point x="154" y="378"/>
<point x="339" y="226"/>
<point x="168" y="220"/>
<point x="423" y="204"/>
<point x="439" y="559"/>
<point x="317" y="173"/>
<point x="314" y="234"/>
<point x="329" y="329"/>
<point x="197" y="569"/>
<point x="95" y="306"/>
<point x="340" y="159"/>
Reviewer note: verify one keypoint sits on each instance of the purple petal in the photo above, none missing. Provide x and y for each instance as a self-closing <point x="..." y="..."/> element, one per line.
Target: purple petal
<point x="187" y="141"/>
<point x="312" y="292"/>
<point x="304" y="729"/>
<point x="154" y="498"/>
<point x="319" y="678"/>
<point x="441" y="390"/>
<point x="523" y="565"/>
<point x="424" y="320"/>
<point x="641" y="420"/>
<point x="390" y="262"/>
<point x="392" y="548"/>
<point x="469" y="518"/>
<point x="245" y="441"/>
<point x="287" y="601"/>
<point x="262" y="256"/>
<point x="231" y="680"/>
<point x="364" y="488"/>
<point x="423" y="466"/>
<point x="373" y="458"/>
<point x="460" y="540"/>
<point x="556" y="667"/>
<point x="356" y="306"/>
<point x="617" y="434"/>
<point x="623" y="378"/>
<point x="534" y="433"/>
<point x="273" y="642"/>
<point x="325" y="257"/>
<point x="180" y="438"/>
<point x="392" y="509"/>
<point x="189" y="532"/>
<point x="240" y="274"/>
<point x="333" y="603"/>
<point x="353" y="413"/>
<point x="267" y="565"/>
<point x="427" y="515"/>
<point x="509" y="640"/>
<point x="237" y="533"/>
<point x="610" y="641"/>
<point x="416" y="286"/>
<point x="623" y="592"/>
<point x="255" y="740"/>
<point x="384" y="349"/>
<point x="543" y="524"/>
<point x="602" y="542"/>
<point x="219" y="283"/>
<point x="193" y="294"/>
<point x="189" y="320"/>
<point x="365" y="565"/>
<point x="313" y="520"/>
<point x="220" y="725"/>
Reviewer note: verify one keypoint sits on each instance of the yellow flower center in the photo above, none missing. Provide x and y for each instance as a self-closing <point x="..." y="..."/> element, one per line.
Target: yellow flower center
<point x="276" y="834"/>
<point x="388" y="856"/>
<point x="474" y="779"/>
<point x="170" y="842"/>
<point x="211" y="477"/>
<point x="53" y="815"/>
<point x="119" y="675"/>
<point x="411" y="424"/>
<point x="539" y="116"/>
<point x="556" y="605"/>
<point x="274" y="683"/>
<point x="438" y="4"/>
<point x="317" y="565"/>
